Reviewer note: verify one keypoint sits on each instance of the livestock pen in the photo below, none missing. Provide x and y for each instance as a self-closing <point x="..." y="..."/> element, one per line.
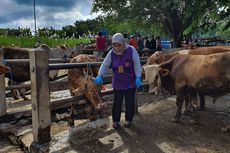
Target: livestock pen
<point x="152" y="131"/>
<point x="41" y="88"/>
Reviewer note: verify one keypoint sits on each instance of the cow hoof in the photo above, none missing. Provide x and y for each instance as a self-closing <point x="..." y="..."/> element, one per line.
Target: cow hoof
<point x="175" y="120"/>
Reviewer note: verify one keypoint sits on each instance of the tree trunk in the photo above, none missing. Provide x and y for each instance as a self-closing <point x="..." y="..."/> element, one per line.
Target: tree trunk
<point x="173" y="25"/>
<point x="177" y="41"/>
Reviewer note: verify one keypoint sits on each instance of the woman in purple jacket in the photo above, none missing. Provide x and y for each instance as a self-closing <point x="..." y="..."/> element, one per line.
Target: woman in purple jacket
<point x="125" y="63"/>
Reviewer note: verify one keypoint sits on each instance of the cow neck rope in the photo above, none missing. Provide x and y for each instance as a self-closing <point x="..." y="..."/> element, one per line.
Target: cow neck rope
<point x="86" y="75"/>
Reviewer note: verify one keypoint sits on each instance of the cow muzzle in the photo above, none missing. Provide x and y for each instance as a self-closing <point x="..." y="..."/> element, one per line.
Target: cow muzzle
<point x="153" y="89"/>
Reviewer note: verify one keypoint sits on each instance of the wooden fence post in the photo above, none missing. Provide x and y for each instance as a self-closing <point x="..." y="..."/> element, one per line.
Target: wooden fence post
<point x="39" y="75"/>
<point x="3" y="108"/>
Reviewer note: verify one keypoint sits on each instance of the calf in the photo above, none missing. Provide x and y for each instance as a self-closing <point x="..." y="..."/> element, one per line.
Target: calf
<point x="81" y="82"/>
<point x="205" y="74"/>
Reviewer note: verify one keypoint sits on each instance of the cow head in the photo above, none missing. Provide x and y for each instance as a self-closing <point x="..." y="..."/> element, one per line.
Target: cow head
<point x="3" y="69"/>
<point x="153" y="74"/>
<point x="67" y="51"/>
<point x="156" y="58"/>
<point x="62" y="51"/>
<point x="92" y="92"/>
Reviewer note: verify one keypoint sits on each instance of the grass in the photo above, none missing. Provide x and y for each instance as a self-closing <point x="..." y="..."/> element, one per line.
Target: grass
<point x="31" y="41"/>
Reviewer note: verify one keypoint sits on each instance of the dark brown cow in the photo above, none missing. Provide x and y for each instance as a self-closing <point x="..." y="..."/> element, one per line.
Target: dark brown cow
<point x="81" y="82"/>
<point x="19" y="72"/>
<point x="159" y="57"/>
<point x="3" y="69"/>
<point x="205" y="74"/>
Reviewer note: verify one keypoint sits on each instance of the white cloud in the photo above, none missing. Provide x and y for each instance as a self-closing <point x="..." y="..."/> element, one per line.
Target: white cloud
<point x="47" y="16"/>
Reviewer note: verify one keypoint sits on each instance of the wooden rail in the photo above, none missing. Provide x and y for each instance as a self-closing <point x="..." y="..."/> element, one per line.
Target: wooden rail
<point x="40" y="89"/>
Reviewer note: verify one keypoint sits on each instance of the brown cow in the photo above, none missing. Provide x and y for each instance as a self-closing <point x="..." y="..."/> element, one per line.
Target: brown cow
<point x="208" y="75"/>
<point x="159" y="57"/>
<point x="19" y="72"/>
<point x="3" y="69"/>
<point x="81" y="82"/>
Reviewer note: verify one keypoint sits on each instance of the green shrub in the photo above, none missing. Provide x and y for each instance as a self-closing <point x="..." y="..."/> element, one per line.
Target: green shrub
<point x="29" y="42"/>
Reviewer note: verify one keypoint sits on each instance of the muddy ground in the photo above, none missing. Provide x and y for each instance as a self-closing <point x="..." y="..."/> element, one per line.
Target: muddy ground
<point x="152" y="132"/>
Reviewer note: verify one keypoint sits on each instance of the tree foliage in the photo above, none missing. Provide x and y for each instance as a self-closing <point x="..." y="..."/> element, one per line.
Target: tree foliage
<point x="176" y="17"/>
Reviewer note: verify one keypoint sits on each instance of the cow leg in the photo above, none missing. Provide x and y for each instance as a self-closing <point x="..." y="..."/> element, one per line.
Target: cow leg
<point x="71" y="116"/>
<point x="194" y="103"/>
<point x="187" y="105"/>
<point x="92" y="113"/>
<point x="22" y="93"/>
<point x="202" y="102"/>
<point x="190" y="101"/>
<point x="179" y="102"/>
<point x="15" y="94"/>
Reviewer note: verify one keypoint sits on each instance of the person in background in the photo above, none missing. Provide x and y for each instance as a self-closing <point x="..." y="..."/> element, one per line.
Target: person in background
<point x="140" y="42"/>
<point x="147" y="47"/>
<point x="133" y="41"/>
<point x="147" y="43"/>
<point x="158" y="43"/>
<point x="100" y="45"/>
<point x="125" y="63"/>
<point x="153" y="44"/>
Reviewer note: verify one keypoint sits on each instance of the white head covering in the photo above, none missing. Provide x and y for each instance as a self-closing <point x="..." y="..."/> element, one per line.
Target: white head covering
<point x="119" y="38"/>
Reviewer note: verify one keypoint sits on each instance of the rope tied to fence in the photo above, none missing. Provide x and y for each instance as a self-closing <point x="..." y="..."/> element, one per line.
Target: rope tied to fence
<point x="89" y="72"/>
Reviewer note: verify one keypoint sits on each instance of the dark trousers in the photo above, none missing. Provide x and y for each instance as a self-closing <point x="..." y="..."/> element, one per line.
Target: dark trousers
<point x="129" y="104"/>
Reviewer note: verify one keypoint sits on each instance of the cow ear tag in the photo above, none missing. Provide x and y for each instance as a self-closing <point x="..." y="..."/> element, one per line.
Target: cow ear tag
<point x="120" y="69"/>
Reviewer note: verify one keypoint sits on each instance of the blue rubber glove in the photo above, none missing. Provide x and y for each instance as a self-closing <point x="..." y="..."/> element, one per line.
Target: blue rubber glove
<point x="98" y="80"/>
<point x="138" y="82"/>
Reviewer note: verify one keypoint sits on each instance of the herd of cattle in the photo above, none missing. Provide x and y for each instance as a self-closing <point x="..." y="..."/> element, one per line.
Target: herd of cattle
<point x="188" y="73"/>
<point x="185" y="73"/>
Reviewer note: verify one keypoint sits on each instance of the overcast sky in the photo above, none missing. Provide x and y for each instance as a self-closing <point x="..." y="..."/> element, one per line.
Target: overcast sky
<point x="49" y="13"/>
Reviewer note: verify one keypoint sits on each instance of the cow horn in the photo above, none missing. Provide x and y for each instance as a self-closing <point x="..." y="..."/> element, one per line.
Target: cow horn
<point x="163" y="60"/>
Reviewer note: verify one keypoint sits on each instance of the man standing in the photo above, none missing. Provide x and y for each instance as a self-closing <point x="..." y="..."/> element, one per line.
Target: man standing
<point x="100" y="45"/>
<point x="133" y="41"/>
<point x="153" y="44"/>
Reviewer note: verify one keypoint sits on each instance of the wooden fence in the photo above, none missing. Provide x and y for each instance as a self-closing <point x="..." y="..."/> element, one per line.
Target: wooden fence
<point x="40" y="89"/>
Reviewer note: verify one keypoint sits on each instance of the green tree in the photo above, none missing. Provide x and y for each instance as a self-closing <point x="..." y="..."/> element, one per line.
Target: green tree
<point x="176" y="17"/>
